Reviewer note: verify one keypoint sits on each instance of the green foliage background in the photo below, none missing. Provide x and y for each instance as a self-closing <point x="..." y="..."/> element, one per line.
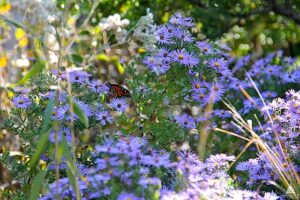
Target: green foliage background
<point x="247" y="25"/>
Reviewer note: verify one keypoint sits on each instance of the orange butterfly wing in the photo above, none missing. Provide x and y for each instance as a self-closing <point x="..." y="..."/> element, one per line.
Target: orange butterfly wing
<point x="117" y="91"/>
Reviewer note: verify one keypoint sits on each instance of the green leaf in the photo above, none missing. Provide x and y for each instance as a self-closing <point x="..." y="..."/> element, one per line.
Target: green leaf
<point x="72" y="171"/>
<point x="37" y="67"/>
<point x="44" y="134"/>
<point x="77" y="58"/>
<point x="37" y="185"/>
<point x="78" y="111"/>
<point x="41" y="146"/>
<point x="71" y="174"/>
<point x="66" y="149"/>
<point x="47" y="115"/>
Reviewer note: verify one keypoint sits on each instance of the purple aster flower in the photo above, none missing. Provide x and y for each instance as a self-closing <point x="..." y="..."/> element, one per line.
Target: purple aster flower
<point x="192" y="73"/>
<point x="104" y="117"/>
<point x="164" y="55"/>
<point x="156" y="160"/>
<point x="57" y="135"/>
<point x="145" y="182"/>
<point x="128" y="196"/>
<point x="288" y="77"/>
<point x="149" y="61"/>
<point x="268" y="94"/>
<point x="162" y="35"/>
<point x="21" y="102"/>
<point x="273" y="70"/>
<point x="78" y="77"/>
<point x="58" y="73"/>
<point x="180" y="56"/>
<point x="159" y="67"/>
<point x="183" y="35"/>
<point x="192" y="60"/>
<point x="204" y="47"/>
<point x="186" y="121"/>
<point x="201" y="97"/>
<point x="119" y="104"/>
<point x="171" y="29"/>
<point x="98" y="87"/>
<point x="250" y="104"/>
<point x="223" y="46"/>
<point x="22" y="90"/>
<point x="222" y="113"/>
<point x="216" y="91"/>
<point x="178" y="19"/>
<point x="88" y="111"/>
<point x="49" y="95"/>
<point x="241" y="63"/>
<point x="184" y="58"/>
<point x="220" y="65"/>
<point x="199" y="85"/>
<point x="59" y="113"/>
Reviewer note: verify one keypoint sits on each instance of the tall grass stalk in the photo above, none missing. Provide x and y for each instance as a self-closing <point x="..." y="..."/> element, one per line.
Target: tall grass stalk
<point x="289" y="178"/>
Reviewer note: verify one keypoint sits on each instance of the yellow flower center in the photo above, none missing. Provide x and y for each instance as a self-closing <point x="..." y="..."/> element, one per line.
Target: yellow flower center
<point x="217" y="64"/>
<point x="180" y="57"/>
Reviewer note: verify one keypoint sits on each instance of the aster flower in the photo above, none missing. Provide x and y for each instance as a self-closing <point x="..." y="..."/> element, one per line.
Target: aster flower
<point x="162" y="35"/>
<point x="119" y="105"/>
<point x="59" y="73"/>
<point x="149" y="61"/>
<point x="79" y="77"/>
<point x="220" y="65"/>
<point x="183" y="35"/>
<point x="104" y="117"/>
<point x="268" y="94"/>
<point x="192" y="73"/>
<point x="146" y="182"/>
<point x="128" y="196"/>
<point x="180" y="56"/>
<point x="288" y="77"/>
<point x="178" y="19"/>
<point x="241" y="63"/>
<point x="204" y="47"/>
<point x="159" y="67"/>
<point x="273" y="70"/>
<point x="21" y="102"/>
<point x="57" y="135"/>
<point x="22" y="90"/>
<point x="98" y="87"/>
<point x="250" y="104"/>
<point x="200" y="96"/>
<point x="88" y="111"/>
<point x="184" y="58"/>
<point x="199" y="85"/>
<point x="59" y="113"/>
<point x="222" y="113"/>
<point x="164" y="55"/>
<point x="156" y="160"/>
<point x="216" y="91"/>
<point x="186" y="121"/>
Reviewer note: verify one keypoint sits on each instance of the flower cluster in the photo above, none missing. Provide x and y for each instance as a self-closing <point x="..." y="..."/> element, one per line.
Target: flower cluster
<point x="266" y="73"/>
<point x="282" y="135"/>
<point x="94" y="107"/>
<point x="129" y="168"/>
<point x="177" y="48"/>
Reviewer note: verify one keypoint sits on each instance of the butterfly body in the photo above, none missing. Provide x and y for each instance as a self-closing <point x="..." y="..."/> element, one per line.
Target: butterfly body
<point x="117" y="91"/>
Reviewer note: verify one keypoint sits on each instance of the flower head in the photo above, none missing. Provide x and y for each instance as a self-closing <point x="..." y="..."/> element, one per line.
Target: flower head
<point x="104" y="117"/>
<point x="119" y="105"/>
<point x="22" y="102"/>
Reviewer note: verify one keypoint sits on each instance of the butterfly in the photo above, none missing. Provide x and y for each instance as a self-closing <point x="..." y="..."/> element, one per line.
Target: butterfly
<point x="116" y="91"/>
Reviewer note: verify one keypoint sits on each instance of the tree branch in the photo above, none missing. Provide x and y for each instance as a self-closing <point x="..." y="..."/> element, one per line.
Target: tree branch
<point x="285" y="10"/>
